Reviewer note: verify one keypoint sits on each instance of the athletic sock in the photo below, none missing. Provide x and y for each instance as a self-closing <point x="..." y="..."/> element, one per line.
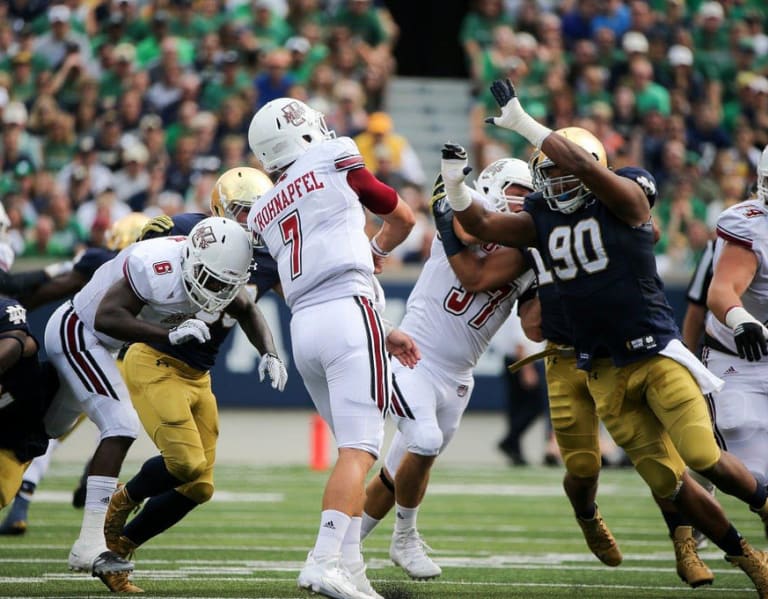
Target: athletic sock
<point x="367" y="526"/>
<point x="731" y="542"/>
<point x="333" y="528"/>
<point x="405" y="517"/>
<point x="153" y="479"/>
<point x="158" y="514"/>
<point x="351" y="552"/>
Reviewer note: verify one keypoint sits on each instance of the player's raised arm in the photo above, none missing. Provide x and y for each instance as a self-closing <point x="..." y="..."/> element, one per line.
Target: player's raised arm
<point x="563" y="158"/>
<point x="510" y="229"/>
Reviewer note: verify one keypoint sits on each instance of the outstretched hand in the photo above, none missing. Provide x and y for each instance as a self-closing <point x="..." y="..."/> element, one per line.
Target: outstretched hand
<point x="402" y="347"/>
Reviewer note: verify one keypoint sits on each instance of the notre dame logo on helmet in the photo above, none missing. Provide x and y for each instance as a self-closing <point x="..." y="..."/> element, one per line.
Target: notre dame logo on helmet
<point x="203" y="237"/>
<point x="294" y="113"/>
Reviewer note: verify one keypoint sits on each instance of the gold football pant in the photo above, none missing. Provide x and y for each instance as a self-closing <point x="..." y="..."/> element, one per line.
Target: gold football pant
<point x="11" y="473"/>
<point x="655" y="411"/>
<point x="178" y="410"/>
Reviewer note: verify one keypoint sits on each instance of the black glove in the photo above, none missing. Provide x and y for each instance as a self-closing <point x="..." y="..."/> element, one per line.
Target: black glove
<point x="750" y="341"/>
<point x="160" y="226"/>
<point x="443" y="214"/>
<point x="503" y="92"/>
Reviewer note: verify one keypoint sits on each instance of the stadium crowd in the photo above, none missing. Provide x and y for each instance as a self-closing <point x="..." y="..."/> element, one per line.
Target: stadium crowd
<point x="117" y="106"/>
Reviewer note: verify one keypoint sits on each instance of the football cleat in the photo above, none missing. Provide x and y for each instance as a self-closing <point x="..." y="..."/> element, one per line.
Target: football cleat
<point x="754" y="564"/>
<point x="124" y="547"/>
<point x="360" y="580"/>
<point x="120" y="507"/>
<point x="96" y="563"/>
<point x="119" y="582"/>
<point x="690" y="568"/>
<point x="600" y="540"/>
<point x="327" y="578"/>
<point x="702" y="542"/>
<point x="409" y="551"/>
<point x="15" y="522"/>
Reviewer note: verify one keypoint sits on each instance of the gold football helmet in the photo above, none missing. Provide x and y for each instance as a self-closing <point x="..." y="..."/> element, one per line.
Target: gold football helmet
<point x="235" y="192"/>
<point x="566" y="193"/>
<point x="125" y="231"/>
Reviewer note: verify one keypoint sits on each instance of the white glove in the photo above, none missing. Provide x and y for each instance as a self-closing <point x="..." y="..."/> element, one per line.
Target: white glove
<point x="190" y="329"/>
<point x="273" y="366"/>
<point x="513" y="117"/>
<point x="453" y="168"/>
<point x="58" y="268"/>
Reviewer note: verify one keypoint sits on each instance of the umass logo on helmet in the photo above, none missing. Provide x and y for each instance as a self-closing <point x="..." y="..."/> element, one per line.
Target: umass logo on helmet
<point x="294" y="113"/>
<point x="203" y="237"/>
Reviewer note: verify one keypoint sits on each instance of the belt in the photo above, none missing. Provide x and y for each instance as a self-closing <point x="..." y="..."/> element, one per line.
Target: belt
<point x="564" y="351"/>
<point x="713" y="343"/>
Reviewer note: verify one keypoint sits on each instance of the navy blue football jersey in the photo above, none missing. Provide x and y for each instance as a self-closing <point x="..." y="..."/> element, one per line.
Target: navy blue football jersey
<point x="554" y="322"/>
<point x="91" y="259"/>
<point x="27" y="390"/>
<point x="604" y="273"/>
<point x="264" y="277"/>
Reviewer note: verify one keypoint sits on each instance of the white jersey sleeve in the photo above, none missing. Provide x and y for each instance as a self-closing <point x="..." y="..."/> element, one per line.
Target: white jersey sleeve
<point x="313" y="224"/>
<point x="745" y="224"/>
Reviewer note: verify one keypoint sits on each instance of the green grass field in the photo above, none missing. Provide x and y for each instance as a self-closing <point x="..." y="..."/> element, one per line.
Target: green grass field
<point x="496" y="532"/>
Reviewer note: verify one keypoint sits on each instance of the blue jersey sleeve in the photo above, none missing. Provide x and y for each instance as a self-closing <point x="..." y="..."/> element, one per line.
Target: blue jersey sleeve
<point x="13" y="316"/>
<point x="263" y="272"/>
<point x="92" y="259"/>
<point x="183" y="223"/>
<point x="643" y="178"/>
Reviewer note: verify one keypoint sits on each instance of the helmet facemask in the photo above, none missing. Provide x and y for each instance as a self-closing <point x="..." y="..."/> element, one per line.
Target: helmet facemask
<point x="495" y="179"/>
<point x="564" y="194"/>
<point x="208" y="290"/>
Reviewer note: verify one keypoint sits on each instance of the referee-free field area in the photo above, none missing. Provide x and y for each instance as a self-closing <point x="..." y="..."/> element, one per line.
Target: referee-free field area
<point x="497" y="532"/>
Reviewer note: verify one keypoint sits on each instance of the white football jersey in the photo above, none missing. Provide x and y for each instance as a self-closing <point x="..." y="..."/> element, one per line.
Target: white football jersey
<point x="452" y="326"/>
<point x="312" y="223"/>
<point x="153" y="270"/>
<point x="745" y="224"/>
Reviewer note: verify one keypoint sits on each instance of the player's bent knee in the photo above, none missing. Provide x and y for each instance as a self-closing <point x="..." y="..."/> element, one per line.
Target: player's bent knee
<point x="698" y="448"/>
<point x="186" y="470"/>
<point x="582" y="464"/>
<point x="661" y="478"/>
<point x="199" y="492"/>
<point x="426" y="442"/>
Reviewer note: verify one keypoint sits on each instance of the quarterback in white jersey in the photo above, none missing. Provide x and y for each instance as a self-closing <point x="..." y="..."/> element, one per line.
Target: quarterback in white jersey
<point x="735" y="344"/>
<point x="312" y="222"/>
<point x="462" y="297"/>
<point x="168" y="281"/>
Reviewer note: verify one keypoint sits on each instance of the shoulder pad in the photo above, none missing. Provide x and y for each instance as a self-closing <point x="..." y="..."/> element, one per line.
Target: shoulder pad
<point x="739" y="223"/>
<point x="183" y="223"/>
<point x="13" y="316"/>
<point x="643" y="178"/>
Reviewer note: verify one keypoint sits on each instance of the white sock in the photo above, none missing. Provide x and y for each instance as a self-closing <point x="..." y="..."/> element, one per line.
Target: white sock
<point x="99" y="490"/>
<point x="367" y="526"/>
<point x="405" y="517"/>
<point x="333" y="528"/>
<point x="351" y="552"/>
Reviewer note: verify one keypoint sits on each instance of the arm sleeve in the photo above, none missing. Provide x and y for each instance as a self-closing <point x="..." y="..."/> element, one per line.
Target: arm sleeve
<point x="21" y="283"/>
<point x="378" y="197"/>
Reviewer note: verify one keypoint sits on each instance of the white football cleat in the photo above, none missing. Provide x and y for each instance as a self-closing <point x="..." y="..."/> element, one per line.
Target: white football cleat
<point x="96" y="560"/>
<point x="409" y="551"/>
<point x="360" y="580"/>
<point x="327" y="578"/>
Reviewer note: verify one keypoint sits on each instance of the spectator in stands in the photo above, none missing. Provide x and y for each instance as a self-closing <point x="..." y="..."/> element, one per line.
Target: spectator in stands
<point x="347" y="117"/>
<point x="58" y="232"/>
<point x="379" y="134"/>
<point x="133" y="179"/>
<point x="232" y="80"/>
<point x="478" y="26"/>
<point x="275" y="82"/>
<point x="60" y="41"/>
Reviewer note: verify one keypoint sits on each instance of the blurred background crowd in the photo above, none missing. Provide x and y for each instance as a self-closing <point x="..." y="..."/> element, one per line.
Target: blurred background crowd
<point x="114" y="106"/>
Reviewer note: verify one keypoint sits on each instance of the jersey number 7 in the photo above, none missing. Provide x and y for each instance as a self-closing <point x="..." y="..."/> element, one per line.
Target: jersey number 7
<point x="290" y="229"/>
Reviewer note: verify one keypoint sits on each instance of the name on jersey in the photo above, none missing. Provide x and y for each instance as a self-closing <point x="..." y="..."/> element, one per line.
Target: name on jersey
<point x="289" y="193"/>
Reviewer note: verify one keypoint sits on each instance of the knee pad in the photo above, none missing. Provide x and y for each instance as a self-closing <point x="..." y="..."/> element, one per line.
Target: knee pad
<point x="581" y="463"/>
<point x="698" y="448"/>
<point x="199" y="491"/>
<point x="186" y="470"/>
<point x="662" y="478"/>
<point x="425" y="441"/>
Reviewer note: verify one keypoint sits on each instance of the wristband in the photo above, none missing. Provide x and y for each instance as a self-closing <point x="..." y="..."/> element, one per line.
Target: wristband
<point x="377" y="250"/>
<point x="458" y="196"/>
<point x="736" y="315"/>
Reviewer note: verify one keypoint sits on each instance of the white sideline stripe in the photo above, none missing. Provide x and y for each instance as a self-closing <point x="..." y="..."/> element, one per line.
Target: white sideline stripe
<point x="543" y="490"/>
<point x="218" y="497"/>
<point x="566" y="585"/>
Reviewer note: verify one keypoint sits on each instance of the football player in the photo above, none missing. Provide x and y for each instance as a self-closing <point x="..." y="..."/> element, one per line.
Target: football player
<point x="429" y="400"/>
<point x="170" y="283"/>
<point x="594" y="232"/>
<point x="735" y="345"/>
<point x="121" y="234"/>
<point x="312" y="222"/>
<point x="170" y="387"/>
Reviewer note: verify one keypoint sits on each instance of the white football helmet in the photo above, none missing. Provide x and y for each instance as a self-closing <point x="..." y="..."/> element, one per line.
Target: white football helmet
<point x="762" y="176"/>
<point x="215" y="262"/>
<point x="498" y="176"/>
<point x="282" y="130"/>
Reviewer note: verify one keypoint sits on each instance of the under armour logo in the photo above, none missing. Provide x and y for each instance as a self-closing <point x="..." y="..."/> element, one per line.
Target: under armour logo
<point x="329" y="524"/>
<point x="16" y="314"/>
